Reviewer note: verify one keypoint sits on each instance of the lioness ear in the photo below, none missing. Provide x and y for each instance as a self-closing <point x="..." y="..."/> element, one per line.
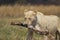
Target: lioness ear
<point x="35" y="12"/>
<point x="25" y="11"/>
<point x="40" y="13"/>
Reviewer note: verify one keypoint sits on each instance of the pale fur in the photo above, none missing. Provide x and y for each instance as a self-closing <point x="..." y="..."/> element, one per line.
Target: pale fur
<point x="49" y="22"/>
<point x="43" y="22"/>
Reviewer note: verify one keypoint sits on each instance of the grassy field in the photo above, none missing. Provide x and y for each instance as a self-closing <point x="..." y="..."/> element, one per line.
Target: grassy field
<point x="15" y="13"/>
<point x="10" y="32"/>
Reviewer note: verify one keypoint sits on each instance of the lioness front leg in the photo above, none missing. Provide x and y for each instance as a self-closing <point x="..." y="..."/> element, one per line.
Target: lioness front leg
<point x="30" y="34"/>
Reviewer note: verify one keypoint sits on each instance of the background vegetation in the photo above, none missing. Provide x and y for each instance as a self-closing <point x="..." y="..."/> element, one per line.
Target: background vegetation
<point x="45" y="2"/>
<point x="18" y="10"/>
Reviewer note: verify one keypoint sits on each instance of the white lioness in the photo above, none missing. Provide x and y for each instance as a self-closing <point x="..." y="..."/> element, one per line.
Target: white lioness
<point x="39" y="21"/>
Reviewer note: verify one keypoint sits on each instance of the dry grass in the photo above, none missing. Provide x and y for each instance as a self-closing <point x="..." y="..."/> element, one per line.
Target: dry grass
<point x="18" y="10"/>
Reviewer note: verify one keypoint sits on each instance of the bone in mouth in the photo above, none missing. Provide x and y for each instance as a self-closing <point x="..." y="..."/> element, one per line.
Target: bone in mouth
<point x="41" y="32"/>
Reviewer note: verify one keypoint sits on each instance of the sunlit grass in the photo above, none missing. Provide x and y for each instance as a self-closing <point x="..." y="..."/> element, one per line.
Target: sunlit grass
<point x="10" y="32"/>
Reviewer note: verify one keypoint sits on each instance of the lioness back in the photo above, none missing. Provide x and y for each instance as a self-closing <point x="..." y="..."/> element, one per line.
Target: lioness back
<point x="48" y="21"/>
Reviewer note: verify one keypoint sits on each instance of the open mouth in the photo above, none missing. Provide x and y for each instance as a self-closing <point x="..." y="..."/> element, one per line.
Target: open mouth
<point x="30" y="26"/>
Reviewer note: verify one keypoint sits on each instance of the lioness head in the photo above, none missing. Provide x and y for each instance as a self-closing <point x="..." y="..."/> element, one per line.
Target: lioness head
<point x="30" y="17"/>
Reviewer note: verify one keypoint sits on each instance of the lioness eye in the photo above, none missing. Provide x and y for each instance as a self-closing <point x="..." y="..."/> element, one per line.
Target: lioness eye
<point x="25" y="18"/>
<point x="29" y="18"/>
